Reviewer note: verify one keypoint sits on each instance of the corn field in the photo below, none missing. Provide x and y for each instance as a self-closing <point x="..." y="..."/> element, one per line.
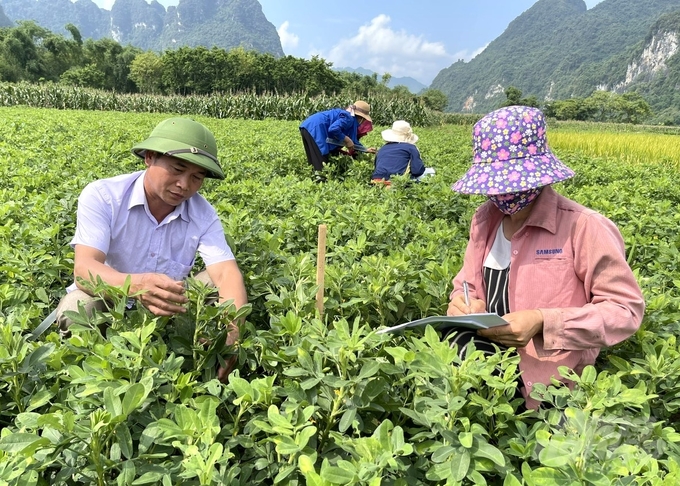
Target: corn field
<point x="250" y="106"/>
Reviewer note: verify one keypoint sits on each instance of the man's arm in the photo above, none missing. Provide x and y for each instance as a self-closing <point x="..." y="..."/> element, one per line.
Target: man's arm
<point x="228" y="280"/>
<point x="159" y="293"/>
<point x="227" y="277"/>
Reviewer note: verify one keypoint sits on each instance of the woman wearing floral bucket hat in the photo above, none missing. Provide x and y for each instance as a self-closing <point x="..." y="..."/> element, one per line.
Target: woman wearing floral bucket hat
<point x="555" y="270"/>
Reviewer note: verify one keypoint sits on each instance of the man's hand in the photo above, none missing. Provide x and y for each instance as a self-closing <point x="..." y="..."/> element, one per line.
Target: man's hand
<point x="160" y="294"/>
<point x="523" y="325"/>
<point x="232" y="337"/>
<point x="457" y="306"/>
<point x="349" y="143"/>
<point x="223" y="373"/>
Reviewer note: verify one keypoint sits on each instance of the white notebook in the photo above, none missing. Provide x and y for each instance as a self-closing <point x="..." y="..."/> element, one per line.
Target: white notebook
<point x="469" y="321"/>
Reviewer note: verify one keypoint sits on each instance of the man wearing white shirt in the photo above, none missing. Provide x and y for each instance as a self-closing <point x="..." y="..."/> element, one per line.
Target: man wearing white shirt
<point x="149" y="226"/>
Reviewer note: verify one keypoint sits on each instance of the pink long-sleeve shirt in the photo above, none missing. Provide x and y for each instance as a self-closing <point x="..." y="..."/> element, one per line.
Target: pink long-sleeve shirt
<point x="569" y="262"/>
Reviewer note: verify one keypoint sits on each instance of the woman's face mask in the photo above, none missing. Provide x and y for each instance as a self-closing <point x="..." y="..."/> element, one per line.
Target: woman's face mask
<point x="365" y="127"/>
<point x="515" y="201"/>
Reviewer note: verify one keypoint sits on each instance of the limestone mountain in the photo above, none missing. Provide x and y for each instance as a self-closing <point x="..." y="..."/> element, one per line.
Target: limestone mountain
<point x="559" y="49"/>
<point x="148" y="25"/>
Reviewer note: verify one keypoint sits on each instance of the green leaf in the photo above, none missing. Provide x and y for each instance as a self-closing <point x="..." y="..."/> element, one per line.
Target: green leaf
<point x="243" y="390"/>
<point x="546" y="476"/>
<point x="112" y="403"/>
<point x="22" y="442"/>
<point x="276" y="419"/>
<point x="465" y="439"/>
<point x="124" y="440"/>
<point x="302" y="438"/>
<point x="149" y="477"/>
<point x="369" y="369"/>
<point x="127" y="473"/>
<point x="511" y="480"/>
<point x="347" y="419"/>
<point x="284" y="472"/>
<point x="286" y="445"/>
<point x="39" y="399"/>
<point x="460" y="464"/>
<point x="442" y="454"/>
<point x="589" y="375"/>
<point x="134" y="397"/>
<point x="337" y="475"/>
<point x="486" y="450"/>
<point x="306" y="466"/>
<point x="36" y="357"/>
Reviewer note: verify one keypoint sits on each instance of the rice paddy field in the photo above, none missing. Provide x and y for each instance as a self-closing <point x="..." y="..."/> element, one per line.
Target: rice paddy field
<point x="322" y="399"/>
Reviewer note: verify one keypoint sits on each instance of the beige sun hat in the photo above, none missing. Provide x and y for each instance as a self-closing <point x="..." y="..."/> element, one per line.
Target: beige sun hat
<point x="400" y="132"/>
<point x="362" y="109"/>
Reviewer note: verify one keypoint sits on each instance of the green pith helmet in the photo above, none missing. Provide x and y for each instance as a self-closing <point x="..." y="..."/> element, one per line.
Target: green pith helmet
<point x="185" y="139"/>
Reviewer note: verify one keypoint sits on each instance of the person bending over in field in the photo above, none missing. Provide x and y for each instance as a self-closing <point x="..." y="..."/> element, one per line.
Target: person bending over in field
<point x="399" y="155"/>
<point x="149" y="225"/>
<point x="325" y="131"/>
<point x="555" y="270"/>
<point x="364" y="129"/>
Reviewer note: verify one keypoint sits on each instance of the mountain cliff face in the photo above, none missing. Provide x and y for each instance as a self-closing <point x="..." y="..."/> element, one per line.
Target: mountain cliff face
<point x="653" y="69"/>
<point x="220" y="23"/>
<point x="557" y="49"/>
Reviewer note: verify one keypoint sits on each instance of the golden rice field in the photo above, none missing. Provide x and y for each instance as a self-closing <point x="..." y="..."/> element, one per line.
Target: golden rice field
<point x="629" y="147"/>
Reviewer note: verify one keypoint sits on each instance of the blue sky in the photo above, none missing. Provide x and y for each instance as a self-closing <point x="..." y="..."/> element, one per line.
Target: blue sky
<point x="416" y="39"/>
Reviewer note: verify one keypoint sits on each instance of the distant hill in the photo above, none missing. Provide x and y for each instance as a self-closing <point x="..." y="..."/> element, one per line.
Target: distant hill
<point x="413" y="85"/>
<point x="220" y="23"/>
<point x="559" y="49"/>
<point x="4" y="19"/>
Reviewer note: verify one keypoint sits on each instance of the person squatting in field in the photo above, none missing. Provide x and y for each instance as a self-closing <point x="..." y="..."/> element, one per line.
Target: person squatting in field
<point x="337" y="124"/>
<point x="555" y="270"/>
<point x="399" y="155"/>
<point x="149" y="225"/>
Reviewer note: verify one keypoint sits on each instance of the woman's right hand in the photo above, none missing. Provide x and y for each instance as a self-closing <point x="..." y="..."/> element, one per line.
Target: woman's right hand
<point x="457" y="306"/>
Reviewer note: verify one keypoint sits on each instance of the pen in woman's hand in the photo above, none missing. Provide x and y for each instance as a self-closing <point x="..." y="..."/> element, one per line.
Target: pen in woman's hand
<point x="466" y="293"/>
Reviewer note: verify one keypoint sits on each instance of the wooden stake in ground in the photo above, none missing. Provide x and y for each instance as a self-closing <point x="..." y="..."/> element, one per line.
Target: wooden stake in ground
<point x="320" y="268"/>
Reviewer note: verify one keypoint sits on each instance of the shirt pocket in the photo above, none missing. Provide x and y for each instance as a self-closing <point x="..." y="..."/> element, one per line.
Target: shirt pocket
<point x="550" y="282"/>
<point x="175" y="270"/>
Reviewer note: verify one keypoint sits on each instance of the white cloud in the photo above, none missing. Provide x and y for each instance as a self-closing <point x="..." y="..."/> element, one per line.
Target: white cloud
<point x="288" y="39"/>
<point x="105" y="4"/>
<point x="379" y="48"/>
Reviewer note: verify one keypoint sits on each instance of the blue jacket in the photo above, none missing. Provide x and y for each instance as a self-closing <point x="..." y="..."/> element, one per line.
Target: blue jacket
<point x="335" y="123"/>
<point x="393" y="158"/>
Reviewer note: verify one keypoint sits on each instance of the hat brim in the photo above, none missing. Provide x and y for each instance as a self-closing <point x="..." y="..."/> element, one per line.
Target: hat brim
<point x="514" y="175"/>
<point x="390" y="135"/>
<point x="362" y="114"/>
<point x="163" y="145"/>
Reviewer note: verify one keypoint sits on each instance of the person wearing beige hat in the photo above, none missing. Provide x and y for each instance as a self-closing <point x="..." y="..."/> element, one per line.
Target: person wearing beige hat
<point x="322" y="131"/>
<point x="399" y="155"/>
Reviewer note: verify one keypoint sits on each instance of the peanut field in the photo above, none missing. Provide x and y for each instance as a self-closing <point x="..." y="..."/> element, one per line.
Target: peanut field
<point x="321" y="400"/>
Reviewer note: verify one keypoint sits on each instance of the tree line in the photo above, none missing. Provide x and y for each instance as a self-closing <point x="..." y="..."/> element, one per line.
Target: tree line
<point x="34" y="54"/>
<point x="600" y="106"/>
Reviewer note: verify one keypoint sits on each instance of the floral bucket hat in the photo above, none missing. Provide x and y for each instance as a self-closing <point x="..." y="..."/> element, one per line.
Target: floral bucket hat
<point x="511" y="154"/>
